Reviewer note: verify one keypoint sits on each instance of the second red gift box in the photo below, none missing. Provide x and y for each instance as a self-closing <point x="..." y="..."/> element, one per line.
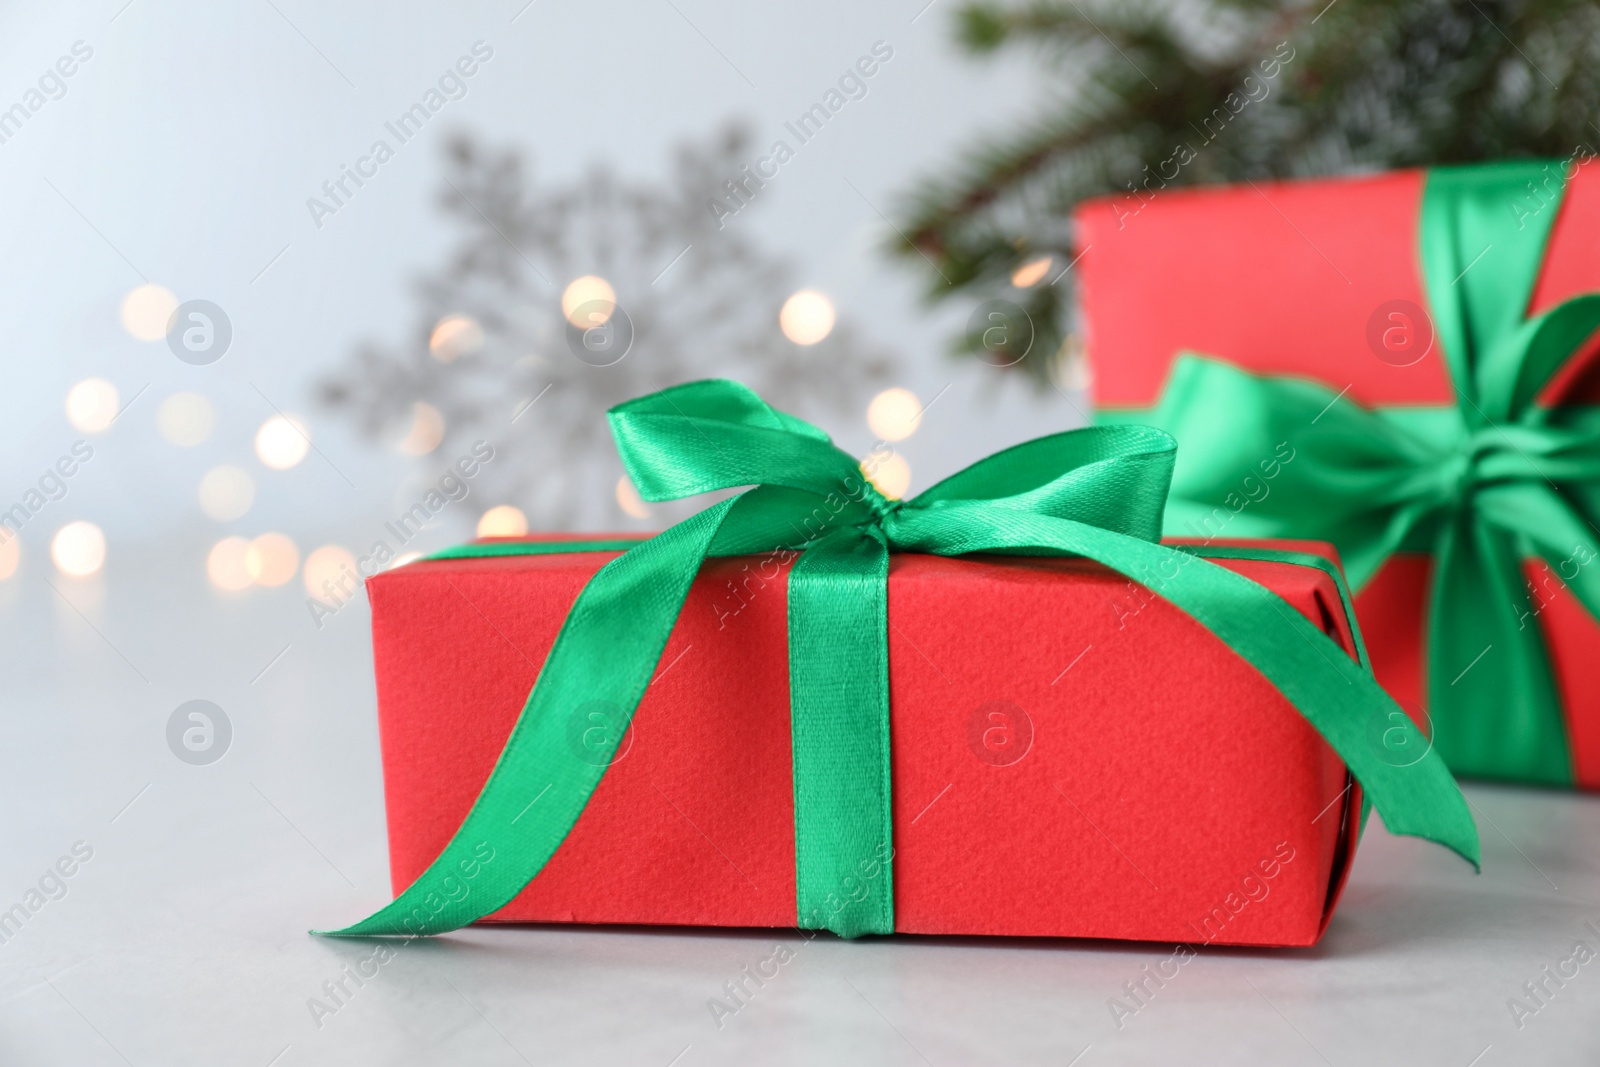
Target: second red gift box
<point x="1400" y="364"/>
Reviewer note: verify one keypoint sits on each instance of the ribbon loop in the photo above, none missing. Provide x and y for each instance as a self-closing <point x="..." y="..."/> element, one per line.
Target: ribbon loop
<point x="1526" y="358"/>
<point x="1479" y="265"/>
<point x="705" y="436"/>
<point x="1117" y="479"/>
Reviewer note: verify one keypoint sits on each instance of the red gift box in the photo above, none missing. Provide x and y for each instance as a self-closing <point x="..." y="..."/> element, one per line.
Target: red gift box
<point x="1072" y="756"/>
<point x="1287" y="278"/>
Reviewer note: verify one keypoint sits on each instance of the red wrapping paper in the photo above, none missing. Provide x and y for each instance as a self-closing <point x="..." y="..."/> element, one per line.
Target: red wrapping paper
<point x="1146" y="783"/>
<point x="1282" y="278"/>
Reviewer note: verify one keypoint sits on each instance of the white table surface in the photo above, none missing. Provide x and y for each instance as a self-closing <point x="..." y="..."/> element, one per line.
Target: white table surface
<point x="183" y="940"/>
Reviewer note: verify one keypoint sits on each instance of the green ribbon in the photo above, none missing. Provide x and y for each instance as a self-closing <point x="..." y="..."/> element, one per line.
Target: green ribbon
<point x="1097" y="493"/>
<point x="1482" y="486"/>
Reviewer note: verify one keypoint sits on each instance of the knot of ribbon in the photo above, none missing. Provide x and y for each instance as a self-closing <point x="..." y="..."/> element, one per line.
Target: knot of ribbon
<point x="1097" y="493"/>
<point x="1481" y="486"/>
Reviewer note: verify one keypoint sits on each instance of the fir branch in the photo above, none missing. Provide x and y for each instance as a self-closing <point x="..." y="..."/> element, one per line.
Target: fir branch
<point x="1372" y="84"/>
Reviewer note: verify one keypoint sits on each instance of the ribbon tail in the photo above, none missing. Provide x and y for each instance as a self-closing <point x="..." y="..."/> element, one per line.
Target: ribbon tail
<point x="591" y="683"/>
<point x="839" y="708"/>
<point x="1559" y="530"/>
<point x="1405" y="778"/>
<point x="1299" y="559"/>
<point x="1491" y="695"/>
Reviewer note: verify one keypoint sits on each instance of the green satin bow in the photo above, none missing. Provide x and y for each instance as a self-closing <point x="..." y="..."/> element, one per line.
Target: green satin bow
<point x="1095" y="492"/>
<point x="1482" y="486"/>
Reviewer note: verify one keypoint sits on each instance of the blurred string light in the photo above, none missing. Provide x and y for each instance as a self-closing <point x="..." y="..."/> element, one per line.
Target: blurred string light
<point x="282" y="441"/>
<point x="1031" y="273"/>
<point x="891" y="475"/>
<point x="455" y="336"/>
<point x="629" y="500"/>
<point x="146" y="311"/>
<point x="226" y="567"/>
<point x="78" y="549"/>
<point x="186" y="419"/>
<point x="272" y="559"/>
<point x="10" y="556"/>
<point x="403" y="558"/>
<point x="587" y="290"/>
<point x="226" y="493"/>
<point x="92" y="405"/>
<point x="503" y="521"/>
<point x="330" y="573"/>
<point x="894" y="414"/>
<point x="806" y="317"/>
<point x="427" y="430"/>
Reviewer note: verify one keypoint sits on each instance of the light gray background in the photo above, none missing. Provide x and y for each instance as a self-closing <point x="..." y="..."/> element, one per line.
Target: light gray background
<point x="187" y="147"/>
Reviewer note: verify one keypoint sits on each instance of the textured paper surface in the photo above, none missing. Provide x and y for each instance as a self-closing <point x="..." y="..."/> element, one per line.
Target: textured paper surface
<point x="1283" y="280"/>
<point x="1163" y="776"/>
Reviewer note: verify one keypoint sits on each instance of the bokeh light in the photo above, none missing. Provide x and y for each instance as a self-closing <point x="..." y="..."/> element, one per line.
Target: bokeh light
<point x="455" y="336"/>
<point x="890" y="474"/>
<point x="78" y="549"/>
<point x="186" y="419"/>
<point x="282" y="441"/>
<point x="894" y="414"/>
<point x="629" y="500"/>
<point x="335" y="566"/>
<point x="10" y="554"/>
<point x="226" y="493"/>
<point x="806" y="317"/>
<point x="146" y="310"/>
<point x="225" y="564"/>
<point x="1031" y="273"/>
<point x="92" y="405"/>
<point x="402" y="559"/>
<point x="427" y="430"/>
<point x="584" y="290"/>
<point x="503" y="521"/>
<point x="1071" y="365"/>
<point x="271" y="559"/>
